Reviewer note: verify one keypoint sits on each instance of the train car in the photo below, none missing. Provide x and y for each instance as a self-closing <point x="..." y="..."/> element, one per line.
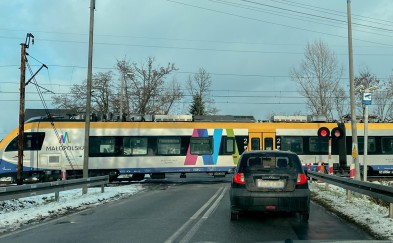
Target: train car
<point x="302" y="139"/>
<point x="183" y="144"/>
<point x="119" y="148"/>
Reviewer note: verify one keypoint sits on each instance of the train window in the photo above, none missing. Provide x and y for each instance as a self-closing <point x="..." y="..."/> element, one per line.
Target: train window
<point x="168" y="146"/>
<point x="201" y="146"/>
<point x="134" y="145"/>
<point x="229" y="145"/>
<point x="102" y="145"/>
<point x="293" y="144"/>
<point x="268" y="143"/>
<point x="318" y="145"/>
<point x="371" y="144"/>
<point x="255" y="144"/>
<point x="387" y="145"/>
<point x="32" y="141"/>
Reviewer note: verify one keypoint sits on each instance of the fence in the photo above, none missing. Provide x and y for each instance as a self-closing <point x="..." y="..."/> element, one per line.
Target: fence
<point x="382" y="192"/>
<point x="15" y="192"/>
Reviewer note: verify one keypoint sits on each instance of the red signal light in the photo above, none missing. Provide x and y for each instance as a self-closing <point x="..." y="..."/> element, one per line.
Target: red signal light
<point x="337" y="132"/>
<point x="323" y="132"/>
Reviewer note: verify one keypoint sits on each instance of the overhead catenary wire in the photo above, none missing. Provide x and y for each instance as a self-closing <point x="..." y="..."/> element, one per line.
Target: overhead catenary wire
<point x="42" y="99"/>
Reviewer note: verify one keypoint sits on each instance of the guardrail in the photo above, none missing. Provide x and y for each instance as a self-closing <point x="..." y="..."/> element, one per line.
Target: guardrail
<point x="382" y="192"/>
<point x="15" y="192"/>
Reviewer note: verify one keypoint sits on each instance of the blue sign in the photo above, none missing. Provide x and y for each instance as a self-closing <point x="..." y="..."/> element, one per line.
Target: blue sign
<point x="366" y="99"/>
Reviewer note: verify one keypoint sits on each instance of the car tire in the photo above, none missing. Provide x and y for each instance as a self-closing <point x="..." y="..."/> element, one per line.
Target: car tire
<point x="304" y="216"/>
<point x="234" y="216"/>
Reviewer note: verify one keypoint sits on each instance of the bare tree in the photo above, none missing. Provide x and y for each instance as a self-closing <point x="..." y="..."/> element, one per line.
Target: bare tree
<point x="146" y="87"/>
<point x="102" y="91"/>
<point x="125" y="69"/>
<point x="364" y="81"/>
<point x="383" y="101"/>
<point x="340" y="101"/>
<point x="318" y="78"/>
<point x="169" y="96"/>
<point x="76" y="98"/>
<point x="199" y="87"/>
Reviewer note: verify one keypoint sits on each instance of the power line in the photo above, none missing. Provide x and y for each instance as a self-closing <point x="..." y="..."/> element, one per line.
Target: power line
<point x="317" y="16"/>
<point x="177" y="72"/>
<point x="212" y="49"/>
<point x="297" y="17"/>
<point x="330" y="11"/>
<point x="222" y="12"/>
<point x="170" y="39"/>
<point x="273" y="23"/>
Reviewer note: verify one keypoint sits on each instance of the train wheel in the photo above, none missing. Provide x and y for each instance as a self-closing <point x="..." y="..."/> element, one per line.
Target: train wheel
<point x="137" y="177"/>
<point x="157" y="175"/>
<point x="234" y="215"/>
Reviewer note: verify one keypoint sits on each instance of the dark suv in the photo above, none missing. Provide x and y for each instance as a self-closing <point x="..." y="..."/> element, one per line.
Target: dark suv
<point x="269" y="181"/>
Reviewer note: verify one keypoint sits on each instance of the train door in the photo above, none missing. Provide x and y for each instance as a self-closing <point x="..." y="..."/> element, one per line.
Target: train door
<point x="268" y="140"/>
<point x="262" y="140"/>
<point x="255" y="141"/>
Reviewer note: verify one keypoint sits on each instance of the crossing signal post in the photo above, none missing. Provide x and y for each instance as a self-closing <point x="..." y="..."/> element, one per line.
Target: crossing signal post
<point x="336" y="133"/>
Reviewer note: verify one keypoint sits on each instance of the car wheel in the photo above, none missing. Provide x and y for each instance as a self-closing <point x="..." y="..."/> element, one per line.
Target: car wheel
<point x="304" y="216"/>
<point x="234" y="216"/>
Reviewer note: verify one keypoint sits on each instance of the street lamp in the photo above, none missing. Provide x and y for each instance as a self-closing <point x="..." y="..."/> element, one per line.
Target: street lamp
<point x="122" y="95"/>
<point x="122" y="87"/>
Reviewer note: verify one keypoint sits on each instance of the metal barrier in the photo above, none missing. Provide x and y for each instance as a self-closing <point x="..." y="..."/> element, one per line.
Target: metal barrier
<point x="16" y="192"/>
<point x="382" y="192"/>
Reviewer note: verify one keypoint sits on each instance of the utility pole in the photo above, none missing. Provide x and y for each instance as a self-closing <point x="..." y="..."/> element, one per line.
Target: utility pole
<point x="88" y="98"/>
<point x="24" y="46"/>
<point x="352" y="96"/>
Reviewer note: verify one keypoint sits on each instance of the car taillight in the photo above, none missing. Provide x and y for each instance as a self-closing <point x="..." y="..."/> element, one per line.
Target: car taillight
<point x="238" y="178"/>
<point x="301" y="179"/>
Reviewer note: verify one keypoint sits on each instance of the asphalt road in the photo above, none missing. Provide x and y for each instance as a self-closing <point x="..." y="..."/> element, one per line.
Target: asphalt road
<point x="195" y="209"/>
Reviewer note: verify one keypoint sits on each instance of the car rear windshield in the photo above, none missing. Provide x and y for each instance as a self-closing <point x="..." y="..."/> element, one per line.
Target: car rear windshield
<point x="269" y="161"/>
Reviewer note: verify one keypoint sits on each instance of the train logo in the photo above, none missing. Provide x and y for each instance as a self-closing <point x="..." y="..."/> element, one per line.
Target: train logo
<point x="64" y="138"/>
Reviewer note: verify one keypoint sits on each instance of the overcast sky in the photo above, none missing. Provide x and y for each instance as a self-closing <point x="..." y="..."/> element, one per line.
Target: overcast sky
<point x="248" y="47"/>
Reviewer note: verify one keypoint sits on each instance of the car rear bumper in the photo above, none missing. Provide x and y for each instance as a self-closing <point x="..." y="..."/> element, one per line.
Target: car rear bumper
<point x="297" y="201"/>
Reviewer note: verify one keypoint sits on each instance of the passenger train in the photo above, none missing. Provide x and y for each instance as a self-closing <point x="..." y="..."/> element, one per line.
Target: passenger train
<point x="183" y="144"/>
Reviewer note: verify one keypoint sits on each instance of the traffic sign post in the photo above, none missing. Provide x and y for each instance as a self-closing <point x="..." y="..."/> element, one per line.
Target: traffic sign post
<point x="366" y="102"/>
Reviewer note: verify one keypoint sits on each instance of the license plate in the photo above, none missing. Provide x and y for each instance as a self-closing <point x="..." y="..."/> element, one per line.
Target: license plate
<point x="219" y="174"/>
<point x="276" y="184"/>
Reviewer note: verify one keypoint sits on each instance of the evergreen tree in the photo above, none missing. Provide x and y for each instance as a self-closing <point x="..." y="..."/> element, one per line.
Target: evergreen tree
<point x="197" y="107"/>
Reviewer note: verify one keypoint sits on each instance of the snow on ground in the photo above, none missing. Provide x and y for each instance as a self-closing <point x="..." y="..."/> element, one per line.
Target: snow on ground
<point x="16" y="213"/>
<point x="360" y="210"/>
